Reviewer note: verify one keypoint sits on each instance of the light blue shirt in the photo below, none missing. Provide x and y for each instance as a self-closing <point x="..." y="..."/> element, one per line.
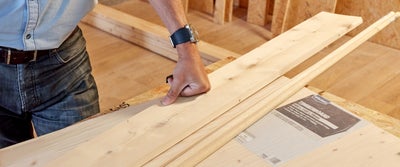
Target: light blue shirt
<point x="39" y="24"/>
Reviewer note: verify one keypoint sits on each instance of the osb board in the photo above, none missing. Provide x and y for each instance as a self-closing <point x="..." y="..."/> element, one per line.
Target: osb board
<point x="300" y="10"/>
<point x="370" y="11"/>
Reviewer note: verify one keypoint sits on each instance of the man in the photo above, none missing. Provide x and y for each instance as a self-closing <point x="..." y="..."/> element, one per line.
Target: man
<point x="45" y="73"/>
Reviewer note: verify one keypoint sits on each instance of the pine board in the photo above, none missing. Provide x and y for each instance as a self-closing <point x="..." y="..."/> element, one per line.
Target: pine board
<point x="47" y="147"/>
<point x="148" y="127"/>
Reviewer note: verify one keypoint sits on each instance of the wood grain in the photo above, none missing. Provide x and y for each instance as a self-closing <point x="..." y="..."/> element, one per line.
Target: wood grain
<point x="136" y="131"/>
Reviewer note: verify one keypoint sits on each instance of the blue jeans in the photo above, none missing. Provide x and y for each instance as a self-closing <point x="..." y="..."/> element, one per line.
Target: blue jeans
<point x="51" y="93"/>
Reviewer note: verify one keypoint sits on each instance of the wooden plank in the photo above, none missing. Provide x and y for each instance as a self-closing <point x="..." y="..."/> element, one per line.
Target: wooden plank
<point x="206" y="6"/>
<point x="125" y="144"/>
<point x="223" y="11"/>
<point x="219" y="12"/>
<point x="147" y="34"/>
<point x="47" y="147"/>
<point x="229" y="11"/>
<point x="233" y="153"/>
<point x="175" y="155"/>
<point x="371" y="11"/>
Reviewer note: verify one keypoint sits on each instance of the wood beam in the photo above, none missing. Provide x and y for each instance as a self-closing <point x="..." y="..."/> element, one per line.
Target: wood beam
<point x="223" y="11"/>
<point x="145" y="135"/>
<point x="281" y="7"/>
<point x="258" y="11"/>
<point x="147" y="34"/>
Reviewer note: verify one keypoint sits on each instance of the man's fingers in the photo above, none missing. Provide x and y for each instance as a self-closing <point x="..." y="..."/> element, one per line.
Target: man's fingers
<point x="173" y="92"/>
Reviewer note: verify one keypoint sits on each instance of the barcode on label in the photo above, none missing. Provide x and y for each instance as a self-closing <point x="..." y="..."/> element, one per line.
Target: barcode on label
<point x="274" y="160"/>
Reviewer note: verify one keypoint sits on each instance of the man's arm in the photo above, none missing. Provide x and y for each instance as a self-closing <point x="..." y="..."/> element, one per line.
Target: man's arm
<point x="189" y="76"/>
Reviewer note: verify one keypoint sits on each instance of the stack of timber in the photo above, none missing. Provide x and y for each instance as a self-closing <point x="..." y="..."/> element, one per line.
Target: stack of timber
<point x="142" y="137"/>
<point x="137" y="140"/>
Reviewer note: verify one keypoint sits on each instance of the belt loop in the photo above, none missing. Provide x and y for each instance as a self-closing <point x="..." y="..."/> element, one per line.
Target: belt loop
<point x="34" y="55"/>
<point x="8" y="56"/>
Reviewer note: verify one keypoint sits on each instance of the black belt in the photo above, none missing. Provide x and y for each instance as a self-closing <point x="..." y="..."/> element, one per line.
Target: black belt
<point x="14" y="56"/>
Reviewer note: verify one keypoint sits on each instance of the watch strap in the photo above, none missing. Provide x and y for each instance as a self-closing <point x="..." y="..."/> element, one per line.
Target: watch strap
<point x="181" y="35"/>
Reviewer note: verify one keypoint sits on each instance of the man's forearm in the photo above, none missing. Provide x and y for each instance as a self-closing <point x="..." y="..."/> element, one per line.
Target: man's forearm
<point x="171" y="13"/>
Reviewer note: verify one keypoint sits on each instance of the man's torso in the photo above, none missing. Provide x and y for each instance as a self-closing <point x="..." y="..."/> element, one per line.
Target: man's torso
<point x="39" y="24"/>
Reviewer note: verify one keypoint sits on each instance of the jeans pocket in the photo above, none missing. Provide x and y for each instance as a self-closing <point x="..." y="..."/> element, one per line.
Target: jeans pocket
<point x="66" y="55"/>
<point x="74" y="46"/>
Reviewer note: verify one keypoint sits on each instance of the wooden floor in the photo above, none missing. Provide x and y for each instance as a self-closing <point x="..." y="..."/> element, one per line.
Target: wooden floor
<point x="369" y="76"/>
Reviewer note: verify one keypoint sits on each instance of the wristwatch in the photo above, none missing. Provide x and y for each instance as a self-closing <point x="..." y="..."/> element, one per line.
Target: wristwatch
<point x="183" y="35"/>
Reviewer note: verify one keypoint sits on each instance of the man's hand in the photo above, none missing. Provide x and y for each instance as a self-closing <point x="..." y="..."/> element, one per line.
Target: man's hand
<point x="189" y="77"/>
